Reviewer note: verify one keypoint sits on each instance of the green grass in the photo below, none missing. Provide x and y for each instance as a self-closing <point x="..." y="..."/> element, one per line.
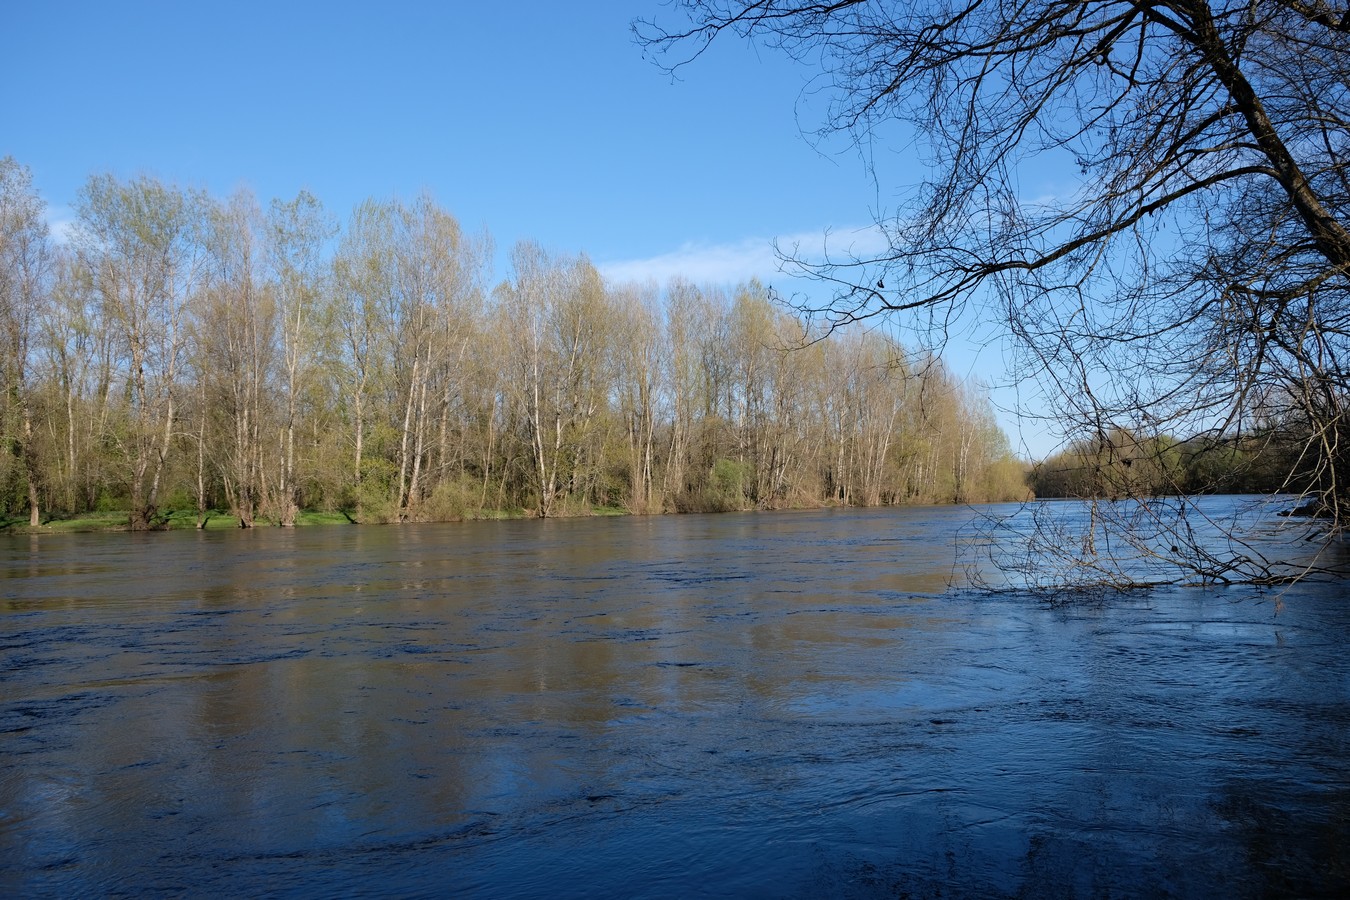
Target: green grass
<point x="173" y="520"/>
<point x="219" y="519"/>
<point x="111" y="520"/>
<point x="307" y="517"/>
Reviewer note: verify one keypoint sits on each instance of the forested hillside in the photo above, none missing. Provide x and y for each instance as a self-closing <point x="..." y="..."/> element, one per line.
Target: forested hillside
<point x="180" y="351"/>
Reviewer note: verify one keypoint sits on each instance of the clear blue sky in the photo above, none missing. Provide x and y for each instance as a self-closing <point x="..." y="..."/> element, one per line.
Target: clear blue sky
<point x="534" y="120"/>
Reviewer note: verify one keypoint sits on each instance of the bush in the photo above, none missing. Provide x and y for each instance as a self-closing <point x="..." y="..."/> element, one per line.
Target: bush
<point x="452" y="500"/>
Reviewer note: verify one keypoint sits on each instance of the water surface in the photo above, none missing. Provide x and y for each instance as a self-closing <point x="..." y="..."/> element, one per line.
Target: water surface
<point x="790" y="704"/>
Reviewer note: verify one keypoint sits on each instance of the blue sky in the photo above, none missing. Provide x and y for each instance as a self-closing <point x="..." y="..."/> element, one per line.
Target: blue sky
<point x="534" y="120"/>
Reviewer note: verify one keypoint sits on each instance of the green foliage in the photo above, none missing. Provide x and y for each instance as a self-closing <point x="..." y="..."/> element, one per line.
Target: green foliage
<point x="728" y="481"/>
<point x="452" y="500"/>
<point x="110" y="501"/>
<point x="374" y="505"/>
<point x="723" y="491"/>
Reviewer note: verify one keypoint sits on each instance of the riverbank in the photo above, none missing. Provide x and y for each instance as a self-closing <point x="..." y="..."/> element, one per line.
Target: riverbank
<point x="177" y="520"/>
<point x="218" y="520"/>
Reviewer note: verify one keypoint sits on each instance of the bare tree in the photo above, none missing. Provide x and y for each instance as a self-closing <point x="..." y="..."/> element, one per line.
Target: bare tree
<point x="1195" y="276"/>
<point x="558" y="315"/>
<point x="25" y="264"/>
<point x="235" y="335"/>
<point x="140" y="243"/>
<point x="641" y="389"/>
<point x="298" y="230"/>
<point x="429" y="317"/>
<point x="363" y="275"/>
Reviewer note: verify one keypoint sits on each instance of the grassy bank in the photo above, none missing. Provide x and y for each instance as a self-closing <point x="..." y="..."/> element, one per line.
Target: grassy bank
<point x="217" y="520"/>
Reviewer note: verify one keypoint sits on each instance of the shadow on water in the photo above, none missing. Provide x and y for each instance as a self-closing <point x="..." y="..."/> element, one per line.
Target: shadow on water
<point x="798" y="704"/>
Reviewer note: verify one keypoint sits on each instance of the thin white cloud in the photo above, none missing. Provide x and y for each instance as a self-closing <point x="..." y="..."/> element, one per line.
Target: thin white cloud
<point x="60" y="223"/>
<point x="700" y="263"/>
<point x="838" y="244"/>
<point x="730" y="263"/>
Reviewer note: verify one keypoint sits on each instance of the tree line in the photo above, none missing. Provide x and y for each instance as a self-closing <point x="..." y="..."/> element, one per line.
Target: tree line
<point x="182" y="351"/>
<point x="1119" y="463"/>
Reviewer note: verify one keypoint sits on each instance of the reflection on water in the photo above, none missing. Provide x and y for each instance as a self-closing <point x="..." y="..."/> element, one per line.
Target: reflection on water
<point x="1072" y="545"/>
<point x="755" y="705"/>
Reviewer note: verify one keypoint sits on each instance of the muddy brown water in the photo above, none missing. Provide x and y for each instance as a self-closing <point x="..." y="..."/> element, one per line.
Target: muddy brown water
<point x="771" y="705"/>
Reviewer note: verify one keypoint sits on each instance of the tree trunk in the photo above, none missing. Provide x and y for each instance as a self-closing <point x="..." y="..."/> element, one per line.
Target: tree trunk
<point x="31" y="471"/>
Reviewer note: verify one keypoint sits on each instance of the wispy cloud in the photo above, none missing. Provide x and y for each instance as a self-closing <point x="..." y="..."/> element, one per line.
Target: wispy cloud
<point x="700" y="263"/>
<point x="738" y="261"/>
<point x="60" y="223"/>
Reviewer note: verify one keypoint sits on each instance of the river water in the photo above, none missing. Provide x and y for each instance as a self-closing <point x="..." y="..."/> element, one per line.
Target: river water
<point x="773" y="705"/>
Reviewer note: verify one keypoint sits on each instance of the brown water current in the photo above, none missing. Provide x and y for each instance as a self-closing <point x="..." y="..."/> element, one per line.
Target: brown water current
<point x="760" y="705"/>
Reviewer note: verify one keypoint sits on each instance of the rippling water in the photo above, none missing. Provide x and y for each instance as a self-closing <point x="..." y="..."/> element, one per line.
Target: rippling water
<point x="770" y="705"/>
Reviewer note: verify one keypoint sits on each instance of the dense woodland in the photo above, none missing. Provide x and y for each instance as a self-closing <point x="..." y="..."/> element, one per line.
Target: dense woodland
<point x="181" y="351"/>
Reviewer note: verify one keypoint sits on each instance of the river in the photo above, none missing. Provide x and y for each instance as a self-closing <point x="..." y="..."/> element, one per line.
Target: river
<point x="761" y="705"/>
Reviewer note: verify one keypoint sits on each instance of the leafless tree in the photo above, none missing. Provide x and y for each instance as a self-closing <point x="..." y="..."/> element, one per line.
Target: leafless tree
<point x="139" y="241"/>
<point x="1194" y="279"/>
<point x="25" y="265"/>
<point x="297" y="230"/>
<point x="234" y="336"/>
